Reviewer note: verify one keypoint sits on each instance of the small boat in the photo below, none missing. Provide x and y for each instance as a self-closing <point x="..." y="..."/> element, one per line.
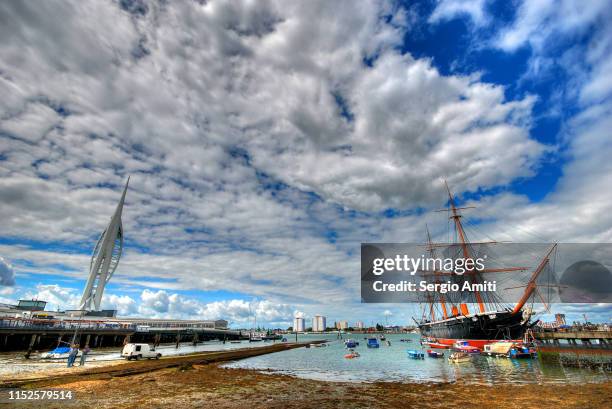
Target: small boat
<point x="235" y="342"/>
<point x="284" y="340"/>
<point x="57" y="353"/>
<point x="499" y="348"/>
<point x="382" y="337"/>
<point x="436" y="345"/>
<point x="373" y="343"/>
<point x="435" y="354"/>
<point x="405" y="340"/>
<point x="458" y="357"/>
<point x="414" y="354"/>
<point x="388" y="343"/>
<point x="352" y="354"/>
<point x="464" y="346"/>
<point x="521" y="351"/>
<point x="351" y="343"/>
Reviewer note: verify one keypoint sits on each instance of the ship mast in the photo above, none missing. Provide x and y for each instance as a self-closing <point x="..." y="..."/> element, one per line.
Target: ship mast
<point x="432" y="254"/>
<point x="464" y="245"/>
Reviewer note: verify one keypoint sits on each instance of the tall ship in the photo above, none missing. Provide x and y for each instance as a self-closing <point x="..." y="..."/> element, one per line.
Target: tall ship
<point x="480" y="318"/>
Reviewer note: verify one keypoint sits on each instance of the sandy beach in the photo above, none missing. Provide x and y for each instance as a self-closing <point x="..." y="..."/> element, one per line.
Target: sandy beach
<point x="212" y="386"/>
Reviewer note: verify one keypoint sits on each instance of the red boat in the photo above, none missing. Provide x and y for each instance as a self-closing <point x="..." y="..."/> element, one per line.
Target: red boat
<point x="433" y="343"/>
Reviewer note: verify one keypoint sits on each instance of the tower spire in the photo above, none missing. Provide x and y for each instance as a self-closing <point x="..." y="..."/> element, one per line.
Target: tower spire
<point x="105" y="258"/>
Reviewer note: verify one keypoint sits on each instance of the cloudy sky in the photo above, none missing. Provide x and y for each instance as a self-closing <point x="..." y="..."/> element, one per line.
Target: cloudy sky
<point x="266" y="140"/>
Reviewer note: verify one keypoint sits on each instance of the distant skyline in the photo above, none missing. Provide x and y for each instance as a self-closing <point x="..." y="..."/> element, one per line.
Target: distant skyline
<point x="266" y="140"/>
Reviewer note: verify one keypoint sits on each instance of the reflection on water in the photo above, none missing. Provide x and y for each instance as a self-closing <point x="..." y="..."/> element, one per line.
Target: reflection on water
<point x="390" y="363"/>
<point x="14" y="363"/>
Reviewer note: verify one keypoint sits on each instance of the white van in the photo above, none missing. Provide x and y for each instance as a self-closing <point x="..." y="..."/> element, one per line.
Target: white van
<point x="139" y="351"/>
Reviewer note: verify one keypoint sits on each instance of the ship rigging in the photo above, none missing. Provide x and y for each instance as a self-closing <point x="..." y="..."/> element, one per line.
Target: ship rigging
<point x="448" y="316"/>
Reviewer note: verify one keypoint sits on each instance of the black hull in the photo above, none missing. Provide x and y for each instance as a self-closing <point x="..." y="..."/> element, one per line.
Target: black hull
<point x="497" y="326"/>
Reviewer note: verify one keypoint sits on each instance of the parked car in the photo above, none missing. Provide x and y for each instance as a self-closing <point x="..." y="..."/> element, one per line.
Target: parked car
<point x="139" y="351"/>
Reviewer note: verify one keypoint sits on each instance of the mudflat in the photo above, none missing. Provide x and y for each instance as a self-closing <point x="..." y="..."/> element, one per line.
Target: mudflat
<point x="211" y="386"/>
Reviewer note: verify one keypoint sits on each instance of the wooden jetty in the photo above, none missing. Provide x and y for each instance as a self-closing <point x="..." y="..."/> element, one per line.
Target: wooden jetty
<point x="576" y="347"/>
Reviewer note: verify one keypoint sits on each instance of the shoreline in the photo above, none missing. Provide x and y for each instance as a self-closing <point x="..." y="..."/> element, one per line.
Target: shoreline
<point x="210" y="385"/>
<point x="115" y="368"/>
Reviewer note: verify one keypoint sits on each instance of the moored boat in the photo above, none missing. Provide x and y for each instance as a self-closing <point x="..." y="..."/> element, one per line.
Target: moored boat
<point x="414" y="354"/>
<point x="520" y="350"/>
<point x="57" y="353"/>
<point x="464" y="346"/>
<point x="435" y="354"/>
<point x="373" y="343"/>
<point x="352" y="354"/>
<point x="499" y="348"/>
<point x="458" y="357"/>
<point x="351" y="343"/>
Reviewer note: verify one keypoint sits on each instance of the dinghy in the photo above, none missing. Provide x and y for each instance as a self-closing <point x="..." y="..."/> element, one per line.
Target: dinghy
<point x="435" y="354"/>
<point x="414" y="354"/>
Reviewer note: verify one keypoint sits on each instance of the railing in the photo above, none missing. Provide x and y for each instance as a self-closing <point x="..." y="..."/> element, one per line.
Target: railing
<point x="60" y="325"/>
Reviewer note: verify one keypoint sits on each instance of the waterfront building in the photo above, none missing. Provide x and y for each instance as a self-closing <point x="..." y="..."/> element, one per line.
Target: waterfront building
<point x="319" y="323"/>
<point x="359" y="325"/>
<point x="148" y="324"/>
<point x="299" y="324"/>
<point x="31" y="305"/>
<point x="105" y="259"/>
<point x="342" y="325"/>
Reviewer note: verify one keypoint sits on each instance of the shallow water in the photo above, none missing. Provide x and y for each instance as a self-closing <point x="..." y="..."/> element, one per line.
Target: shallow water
<point x="390" y="363"/>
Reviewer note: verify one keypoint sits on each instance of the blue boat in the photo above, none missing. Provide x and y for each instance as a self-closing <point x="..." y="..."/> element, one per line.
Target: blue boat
<point x="414" y="354"/>
<point x="57" y="353"/>
<point x="520" y="351"/>
<point x="350" y="343"/>
<point x="373" y="343"/>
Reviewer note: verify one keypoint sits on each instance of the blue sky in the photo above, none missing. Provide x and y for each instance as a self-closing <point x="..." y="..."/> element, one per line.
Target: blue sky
<point x="266" y="140"/>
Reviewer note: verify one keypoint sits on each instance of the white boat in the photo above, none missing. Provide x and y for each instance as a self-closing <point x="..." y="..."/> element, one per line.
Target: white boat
<point x="57" y="353"/>
<point x="458" y="357"/>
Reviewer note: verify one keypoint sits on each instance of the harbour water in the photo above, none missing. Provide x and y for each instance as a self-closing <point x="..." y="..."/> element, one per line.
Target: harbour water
<point x="391" y="363"/>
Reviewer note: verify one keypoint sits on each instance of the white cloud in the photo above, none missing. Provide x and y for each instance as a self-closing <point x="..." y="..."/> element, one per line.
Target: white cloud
<point x="204" y="105"/>
<point x="537" y="22"/>
<point x="56" y="296"/>
<point x="450" y="9"/>
<point x="7" y="275"/>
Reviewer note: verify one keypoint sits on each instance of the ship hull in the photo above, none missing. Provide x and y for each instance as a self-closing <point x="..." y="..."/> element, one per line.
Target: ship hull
<point x="478" y="330"/>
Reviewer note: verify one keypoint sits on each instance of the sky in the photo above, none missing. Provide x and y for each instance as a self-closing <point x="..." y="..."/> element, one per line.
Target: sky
<point x="265" y="140"/>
